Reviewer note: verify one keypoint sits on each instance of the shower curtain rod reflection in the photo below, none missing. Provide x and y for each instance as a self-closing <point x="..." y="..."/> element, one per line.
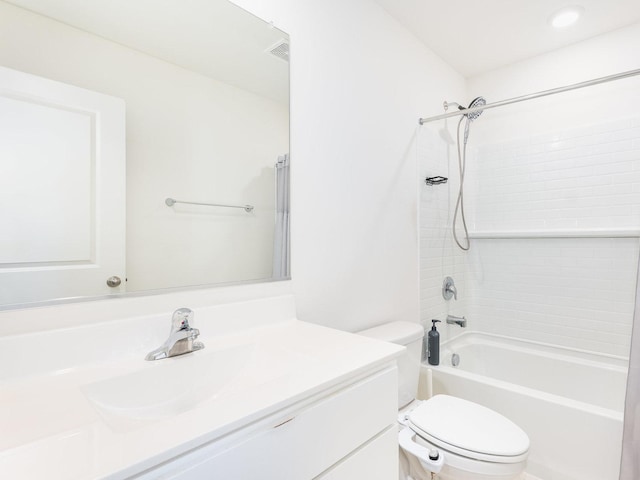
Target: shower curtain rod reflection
<point x="544" y="93"/>
<point x="170" y="202"/>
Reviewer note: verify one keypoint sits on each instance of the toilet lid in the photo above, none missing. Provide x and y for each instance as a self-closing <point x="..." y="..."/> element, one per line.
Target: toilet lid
<point x="472" y="429"/>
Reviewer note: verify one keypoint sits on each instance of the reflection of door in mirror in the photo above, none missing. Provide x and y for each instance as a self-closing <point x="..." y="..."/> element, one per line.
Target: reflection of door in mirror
<point x="62" y="151"/>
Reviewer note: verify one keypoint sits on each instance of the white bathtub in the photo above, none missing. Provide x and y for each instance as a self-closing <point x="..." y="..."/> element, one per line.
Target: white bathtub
<point x="569" y="402"/>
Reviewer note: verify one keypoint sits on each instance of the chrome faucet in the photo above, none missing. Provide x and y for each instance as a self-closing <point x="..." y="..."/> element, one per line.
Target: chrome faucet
<point x="453" y="320"/>
<point x="181" y="338"/>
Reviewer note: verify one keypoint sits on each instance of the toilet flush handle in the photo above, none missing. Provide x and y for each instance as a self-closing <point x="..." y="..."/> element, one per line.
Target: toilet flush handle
<point x="429" y="459"/>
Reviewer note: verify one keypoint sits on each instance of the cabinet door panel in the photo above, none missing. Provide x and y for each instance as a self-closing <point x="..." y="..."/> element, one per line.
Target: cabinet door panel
<point x="377" y="460"/>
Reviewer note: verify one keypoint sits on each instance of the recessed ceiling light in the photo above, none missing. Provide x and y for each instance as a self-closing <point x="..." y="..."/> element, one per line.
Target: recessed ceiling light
<point x="566" y="16"/>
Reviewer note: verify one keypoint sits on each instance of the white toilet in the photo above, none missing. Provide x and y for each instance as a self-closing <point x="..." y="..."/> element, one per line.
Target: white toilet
<point x="451" y="437"/>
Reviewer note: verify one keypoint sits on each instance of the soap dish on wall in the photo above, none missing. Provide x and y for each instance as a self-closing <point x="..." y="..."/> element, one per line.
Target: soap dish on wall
<point x="435" y="180"/>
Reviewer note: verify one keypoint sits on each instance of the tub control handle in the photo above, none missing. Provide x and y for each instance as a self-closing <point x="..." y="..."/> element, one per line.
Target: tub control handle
<point x="449" y="289"/>
<point x="423" y="454"/>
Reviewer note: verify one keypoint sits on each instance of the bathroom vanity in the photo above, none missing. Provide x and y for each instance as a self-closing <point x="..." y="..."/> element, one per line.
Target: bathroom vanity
<point x="268" y="397"/>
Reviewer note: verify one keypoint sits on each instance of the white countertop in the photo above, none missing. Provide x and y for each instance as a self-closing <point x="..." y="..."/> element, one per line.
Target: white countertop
<point x="52" y="427"/>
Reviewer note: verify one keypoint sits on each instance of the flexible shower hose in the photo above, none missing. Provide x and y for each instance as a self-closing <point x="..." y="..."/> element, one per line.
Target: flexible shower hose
<point x="462" y="164"/>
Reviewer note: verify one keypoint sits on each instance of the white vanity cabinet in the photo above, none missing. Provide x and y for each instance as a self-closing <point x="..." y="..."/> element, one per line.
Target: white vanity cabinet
<point x="269" y="398"/>
<point x="344" y="433"/>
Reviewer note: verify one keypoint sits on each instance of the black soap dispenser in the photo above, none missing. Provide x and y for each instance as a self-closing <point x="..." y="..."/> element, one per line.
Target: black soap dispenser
<point x="434" y="344"/>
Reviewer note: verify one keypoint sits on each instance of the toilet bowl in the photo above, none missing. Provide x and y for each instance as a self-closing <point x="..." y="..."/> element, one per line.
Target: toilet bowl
<point x="453" y="438"/>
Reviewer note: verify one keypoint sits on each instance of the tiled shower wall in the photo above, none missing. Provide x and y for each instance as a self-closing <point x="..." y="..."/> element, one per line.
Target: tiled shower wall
<point x="572" y="202"/>
<point x="546" y="169"/>
<point x="438" y="256"/>
<point x="580" y="179"/>
<point x="574" y="292"/>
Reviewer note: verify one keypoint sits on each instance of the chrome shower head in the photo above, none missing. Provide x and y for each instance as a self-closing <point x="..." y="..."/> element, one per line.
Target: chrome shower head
<point x="476" y="102"/>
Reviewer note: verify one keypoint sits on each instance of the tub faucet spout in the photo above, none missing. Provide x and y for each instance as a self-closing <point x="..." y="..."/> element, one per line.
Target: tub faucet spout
<point x="453" y="320"/>
<point x="182" y="337"/>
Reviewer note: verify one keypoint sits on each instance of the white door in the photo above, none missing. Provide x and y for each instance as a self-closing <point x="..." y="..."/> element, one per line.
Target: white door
<point x="62" y="190"/>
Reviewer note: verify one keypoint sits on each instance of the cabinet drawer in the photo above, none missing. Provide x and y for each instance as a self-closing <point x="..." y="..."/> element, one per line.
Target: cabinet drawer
<point x="376" y="460"/>
<point x="301" y="445"/>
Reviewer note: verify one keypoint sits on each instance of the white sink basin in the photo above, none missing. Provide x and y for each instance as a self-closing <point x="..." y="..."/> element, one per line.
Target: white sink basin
<point x="167" y="387"/>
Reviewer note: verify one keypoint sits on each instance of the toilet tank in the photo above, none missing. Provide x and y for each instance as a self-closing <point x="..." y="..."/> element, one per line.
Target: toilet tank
<point x="410" y="335"/>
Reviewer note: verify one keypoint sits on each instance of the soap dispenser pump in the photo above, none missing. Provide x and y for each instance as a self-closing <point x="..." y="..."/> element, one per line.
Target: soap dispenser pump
<point x="434" y="344"/>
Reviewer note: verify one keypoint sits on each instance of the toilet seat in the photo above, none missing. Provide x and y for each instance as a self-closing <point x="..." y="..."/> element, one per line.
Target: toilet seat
<point x="469" y="430"/>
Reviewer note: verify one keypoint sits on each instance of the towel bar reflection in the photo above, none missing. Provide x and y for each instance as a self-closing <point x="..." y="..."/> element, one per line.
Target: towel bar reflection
<point x="171" y="202"/>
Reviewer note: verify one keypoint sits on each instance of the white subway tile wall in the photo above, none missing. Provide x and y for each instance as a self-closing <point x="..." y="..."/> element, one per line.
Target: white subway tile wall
<point x="584" y="178"/>
<point x="573" y="292"/>
<point x="438" y="255"/>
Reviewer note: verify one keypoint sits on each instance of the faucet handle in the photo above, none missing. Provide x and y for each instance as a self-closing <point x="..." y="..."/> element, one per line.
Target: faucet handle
<point x="180" y="319"/>
<point x="449" y="289"/>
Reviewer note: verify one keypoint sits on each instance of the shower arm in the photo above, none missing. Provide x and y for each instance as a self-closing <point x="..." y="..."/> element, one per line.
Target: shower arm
<point x="531" y="96"/>
<point x="446" y="105"/>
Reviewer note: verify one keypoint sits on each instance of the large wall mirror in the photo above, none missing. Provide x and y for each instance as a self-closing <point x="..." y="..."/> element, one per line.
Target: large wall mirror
<point x="144" y="146"/>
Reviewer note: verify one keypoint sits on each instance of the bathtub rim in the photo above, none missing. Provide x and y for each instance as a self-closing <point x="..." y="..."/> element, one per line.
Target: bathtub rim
<point x="471" y="338"/>
<point x="553" y="350"/>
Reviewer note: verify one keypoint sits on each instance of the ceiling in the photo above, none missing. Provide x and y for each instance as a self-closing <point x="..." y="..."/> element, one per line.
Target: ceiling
<point x="475" y="36"/>
<point x="212" y="37"/>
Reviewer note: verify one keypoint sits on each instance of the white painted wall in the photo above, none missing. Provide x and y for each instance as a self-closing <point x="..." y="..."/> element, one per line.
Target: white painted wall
<point x="359" y="82"/>
<point x="569" y="162"/>
<point x="189" y="137"/>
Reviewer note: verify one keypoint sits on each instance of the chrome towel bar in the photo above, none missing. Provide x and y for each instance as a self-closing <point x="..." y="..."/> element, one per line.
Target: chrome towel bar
<point x="170" y="202"/>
